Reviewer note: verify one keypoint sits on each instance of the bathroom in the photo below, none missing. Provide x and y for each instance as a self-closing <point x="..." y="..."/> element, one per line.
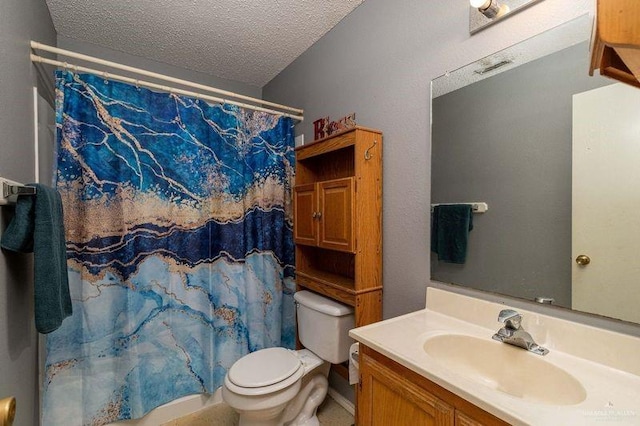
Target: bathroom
<point x="378" y="61"/>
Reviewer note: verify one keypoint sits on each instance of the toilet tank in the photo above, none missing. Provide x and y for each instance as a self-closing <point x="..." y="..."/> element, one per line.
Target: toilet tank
<point x="323" y="326"/>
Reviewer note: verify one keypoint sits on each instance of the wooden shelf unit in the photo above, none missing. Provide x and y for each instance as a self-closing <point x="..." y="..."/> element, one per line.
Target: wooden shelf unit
<point x="338" y="220"/>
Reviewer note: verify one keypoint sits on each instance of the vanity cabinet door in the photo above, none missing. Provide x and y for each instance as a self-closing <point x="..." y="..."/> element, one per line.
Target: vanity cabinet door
<point x="464" y="420"/>
<point x="386" y="398"/>
<point x="391" y="394"/>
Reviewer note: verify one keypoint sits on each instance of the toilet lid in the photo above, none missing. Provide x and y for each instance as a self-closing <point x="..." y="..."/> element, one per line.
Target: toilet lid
<point x="264" y="368"/>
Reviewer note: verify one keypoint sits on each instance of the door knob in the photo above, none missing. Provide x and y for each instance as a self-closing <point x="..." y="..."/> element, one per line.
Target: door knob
<point x="583" y="260"/>
<point x="7" y="411"/>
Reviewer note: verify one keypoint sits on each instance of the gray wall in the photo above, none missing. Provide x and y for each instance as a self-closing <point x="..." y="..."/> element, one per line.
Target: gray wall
<point x="20" y="21"/>
<point x="155" y="66"/>
<point x="379" y="62"/>
<point x="506" y="140"/>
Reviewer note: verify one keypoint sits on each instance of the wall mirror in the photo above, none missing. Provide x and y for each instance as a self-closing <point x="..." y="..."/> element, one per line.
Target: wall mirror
<point x="554" y="153"/>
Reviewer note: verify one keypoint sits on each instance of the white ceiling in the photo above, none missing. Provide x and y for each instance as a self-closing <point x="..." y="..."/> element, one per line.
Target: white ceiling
<point x="245" y="41"/>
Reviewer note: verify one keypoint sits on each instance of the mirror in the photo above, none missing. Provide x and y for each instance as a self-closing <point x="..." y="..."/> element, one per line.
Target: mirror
<point x="502" y="133"/>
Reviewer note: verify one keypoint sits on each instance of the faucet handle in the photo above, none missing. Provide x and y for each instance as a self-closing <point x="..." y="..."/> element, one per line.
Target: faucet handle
<point x="511" y="318"/>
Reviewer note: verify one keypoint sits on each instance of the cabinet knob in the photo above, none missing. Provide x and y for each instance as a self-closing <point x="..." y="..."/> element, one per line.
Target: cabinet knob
<point x="314" y="215"/>
<point x="319" y="215"/>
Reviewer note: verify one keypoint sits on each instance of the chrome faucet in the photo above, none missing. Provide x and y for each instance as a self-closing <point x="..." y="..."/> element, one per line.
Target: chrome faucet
<point x="513" y="333"/>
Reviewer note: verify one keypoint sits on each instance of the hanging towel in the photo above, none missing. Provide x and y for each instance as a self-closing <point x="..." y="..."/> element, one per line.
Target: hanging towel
<point x="450" y="227"/>
<point x="37" y="227"/>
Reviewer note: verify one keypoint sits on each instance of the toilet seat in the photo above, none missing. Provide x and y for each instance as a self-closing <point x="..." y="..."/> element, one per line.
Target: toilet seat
<point x="264" y="371"/>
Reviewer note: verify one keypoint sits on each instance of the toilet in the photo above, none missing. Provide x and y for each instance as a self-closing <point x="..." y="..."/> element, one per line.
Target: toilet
<point x="279" y="386"/>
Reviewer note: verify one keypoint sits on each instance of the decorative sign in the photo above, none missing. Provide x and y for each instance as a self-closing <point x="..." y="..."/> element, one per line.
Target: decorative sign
<point x="325" y="127"/>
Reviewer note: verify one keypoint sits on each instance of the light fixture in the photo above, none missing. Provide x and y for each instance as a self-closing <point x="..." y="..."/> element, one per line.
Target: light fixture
<point x="490" y="8"/>
<point x="483" y="13"/>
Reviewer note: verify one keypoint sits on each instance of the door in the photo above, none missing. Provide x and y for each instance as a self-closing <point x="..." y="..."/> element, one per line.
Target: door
<point x="305" y="214"/>
<point x="606" y="202"/>
<point x="336" y="215"/>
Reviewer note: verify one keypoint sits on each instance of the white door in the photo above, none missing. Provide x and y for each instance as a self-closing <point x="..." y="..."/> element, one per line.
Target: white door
<point x="606" y="202"/>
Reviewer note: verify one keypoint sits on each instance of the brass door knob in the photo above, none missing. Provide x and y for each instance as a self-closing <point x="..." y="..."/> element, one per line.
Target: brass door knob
<point x="583" y="260"/>
<point x="7" y="411"/>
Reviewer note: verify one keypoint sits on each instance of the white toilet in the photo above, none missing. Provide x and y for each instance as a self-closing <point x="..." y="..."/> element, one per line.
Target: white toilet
<point x="278" y="386"/>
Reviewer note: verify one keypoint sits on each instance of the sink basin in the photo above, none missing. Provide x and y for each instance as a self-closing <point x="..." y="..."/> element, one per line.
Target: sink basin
<point x="505" y="368"/>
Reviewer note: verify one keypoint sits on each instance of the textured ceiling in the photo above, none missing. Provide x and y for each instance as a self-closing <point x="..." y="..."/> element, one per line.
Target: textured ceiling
<point x="246" y="41"/>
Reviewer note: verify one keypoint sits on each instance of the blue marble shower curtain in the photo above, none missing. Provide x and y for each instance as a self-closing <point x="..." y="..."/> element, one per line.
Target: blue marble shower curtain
<point x="179" y="239"/>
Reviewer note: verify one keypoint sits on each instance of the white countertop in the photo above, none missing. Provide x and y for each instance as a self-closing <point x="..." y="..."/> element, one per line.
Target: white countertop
<point x="606" y="363"/>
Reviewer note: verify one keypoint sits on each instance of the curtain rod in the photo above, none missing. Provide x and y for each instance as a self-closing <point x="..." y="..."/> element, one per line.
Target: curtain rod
<point x="39" y="46"/>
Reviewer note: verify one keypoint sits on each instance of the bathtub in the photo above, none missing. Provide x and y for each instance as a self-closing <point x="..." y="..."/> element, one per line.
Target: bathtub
<point x="174" y="409"/>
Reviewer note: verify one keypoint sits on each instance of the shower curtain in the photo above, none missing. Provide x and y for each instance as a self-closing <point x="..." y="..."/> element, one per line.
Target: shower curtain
<point x="179" y="245"/>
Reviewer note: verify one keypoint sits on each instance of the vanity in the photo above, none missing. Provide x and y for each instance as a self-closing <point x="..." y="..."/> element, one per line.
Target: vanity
<point x="440" y="366"/>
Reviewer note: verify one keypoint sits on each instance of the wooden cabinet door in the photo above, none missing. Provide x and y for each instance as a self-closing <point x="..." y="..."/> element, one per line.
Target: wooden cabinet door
<point x="386" y="398"/>
<point x="336" y="200"/>
<point x="464" y="420"/>
<point x="305" y="227"/>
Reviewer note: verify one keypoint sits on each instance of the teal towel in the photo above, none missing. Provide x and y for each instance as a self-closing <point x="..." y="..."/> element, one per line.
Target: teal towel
<point x="450" y="227"/>
<point x="38" y="227"/>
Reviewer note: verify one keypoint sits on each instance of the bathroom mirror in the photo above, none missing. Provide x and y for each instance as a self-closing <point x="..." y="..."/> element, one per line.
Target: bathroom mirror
<point x="503" y="129"/>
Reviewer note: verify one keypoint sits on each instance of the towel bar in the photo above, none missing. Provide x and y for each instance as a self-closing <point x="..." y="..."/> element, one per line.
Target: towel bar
<point x="476" y="207"/>
<point x="11" y="190"/>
